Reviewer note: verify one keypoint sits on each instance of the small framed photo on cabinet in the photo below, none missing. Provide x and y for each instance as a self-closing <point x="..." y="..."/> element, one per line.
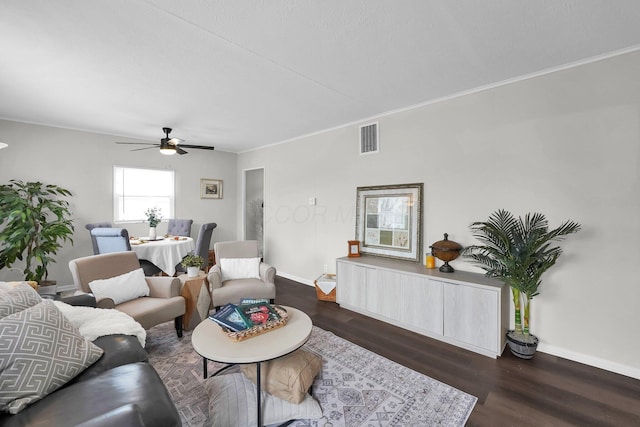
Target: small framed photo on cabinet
<point x="354" y="248"/>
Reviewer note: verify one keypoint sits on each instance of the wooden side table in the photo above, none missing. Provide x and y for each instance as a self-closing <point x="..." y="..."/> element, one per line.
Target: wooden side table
<point x="197" y="299"/>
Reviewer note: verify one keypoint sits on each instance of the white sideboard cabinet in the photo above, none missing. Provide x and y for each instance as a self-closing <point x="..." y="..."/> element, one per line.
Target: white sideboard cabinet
<point x="465" y="309"/>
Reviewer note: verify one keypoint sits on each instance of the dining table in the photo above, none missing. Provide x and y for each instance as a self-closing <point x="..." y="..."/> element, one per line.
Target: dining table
<point x="165" y="252"/>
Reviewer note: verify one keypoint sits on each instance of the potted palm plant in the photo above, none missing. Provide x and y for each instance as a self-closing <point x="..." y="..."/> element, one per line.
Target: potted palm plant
<point x="192" y="263"/>
<point x="34" y="222"/>
<point x="518" y="251"/>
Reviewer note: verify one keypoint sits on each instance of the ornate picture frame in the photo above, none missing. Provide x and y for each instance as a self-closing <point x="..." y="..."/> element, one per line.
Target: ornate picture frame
<point x="210" y="188"/>
<point x="389" y="221"/>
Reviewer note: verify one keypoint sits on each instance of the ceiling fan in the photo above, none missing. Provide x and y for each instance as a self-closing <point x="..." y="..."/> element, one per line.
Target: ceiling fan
<point x="168" y="145"/>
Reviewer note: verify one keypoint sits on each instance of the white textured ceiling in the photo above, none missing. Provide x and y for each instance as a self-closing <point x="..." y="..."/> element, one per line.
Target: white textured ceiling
<point x="241" y="74"/>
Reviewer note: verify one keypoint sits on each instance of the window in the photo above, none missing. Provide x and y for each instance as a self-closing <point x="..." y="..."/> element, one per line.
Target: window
<point x="136" y="190"/>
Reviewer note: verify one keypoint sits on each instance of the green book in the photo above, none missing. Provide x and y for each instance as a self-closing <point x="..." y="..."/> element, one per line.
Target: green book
<point x="259" y="313"/>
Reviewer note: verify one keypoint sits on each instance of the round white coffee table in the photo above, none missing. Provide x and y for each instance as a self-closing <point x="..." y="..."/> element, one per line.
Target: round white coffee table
<point x="212" y="343"/>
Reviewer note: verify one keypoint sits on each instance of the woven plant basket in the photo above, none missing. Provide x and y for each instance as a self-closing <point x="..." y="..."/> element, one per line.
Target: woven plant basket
<point x="331" y="296"/>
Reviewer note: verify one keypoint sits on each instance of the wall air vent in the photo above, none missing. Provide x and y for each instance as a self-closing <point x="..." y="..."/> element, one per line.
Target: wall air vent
<point x="369" y="138"/>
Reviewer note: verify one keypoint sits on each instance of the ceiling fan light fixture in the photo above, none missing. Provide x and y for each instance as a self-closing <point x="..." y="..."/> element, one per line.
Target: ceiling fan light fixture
<point x="166" y="148"/>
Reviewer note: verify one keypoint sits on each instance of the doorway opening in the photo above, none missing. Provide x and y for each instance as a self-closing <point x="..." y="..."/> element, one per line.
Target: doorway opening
<point x="254" y="207"/>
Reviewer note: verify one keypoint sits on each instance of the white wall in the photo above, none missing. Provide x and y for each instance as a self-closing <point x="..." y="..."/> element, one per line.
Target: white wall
<point x="566" y="144"/>
<point x="83" y="163"/>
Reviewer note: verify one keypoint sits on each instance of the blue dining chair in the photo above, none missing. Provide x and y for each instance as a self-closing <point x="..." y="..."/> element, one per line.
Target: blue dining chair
<point x="117" y="240"/>
<point x="111" y="239"/>
<point x="93" y="225"/>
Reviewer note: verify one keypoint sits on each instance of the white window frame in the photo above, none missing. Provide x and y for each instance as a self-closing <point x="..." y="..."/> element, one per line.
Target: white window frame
<point x="121" y="195"/>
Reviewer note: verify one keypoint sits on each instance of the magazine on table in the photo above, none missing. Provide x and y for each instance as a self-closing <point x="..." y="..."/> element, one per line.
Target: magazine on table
<point x="254" y="301"/>
<point x="249" y="313"/>
<point x="230" y="317"/>
<point x="259" y="313"/>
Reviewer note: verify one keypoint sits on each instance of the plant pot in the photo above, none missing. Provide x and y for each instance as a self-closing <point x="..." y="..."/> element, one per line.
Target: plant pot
<point x="152" y="233"/>
<point x="523" y="346"/>
<point x="47" y="287"/>
<point x="193" y="271"/>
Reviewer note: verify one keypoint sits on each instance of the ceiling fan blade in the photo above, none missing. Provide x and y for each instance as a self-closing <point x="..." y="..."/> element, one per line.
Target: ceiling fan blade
<point x="199" y="147"/>
<point x="145" y="148"/>
<point x="136" y="143"/>
<point x="180" y="150"/>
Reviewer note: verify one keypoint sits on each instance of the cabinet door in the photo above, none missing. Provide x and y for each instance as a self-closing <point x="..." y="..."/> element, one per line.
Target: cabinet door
<point x="471" y="315"/>
<point x="351" y="285"/>
<point x="383" y="293"/>
<point x="422" y="303"/>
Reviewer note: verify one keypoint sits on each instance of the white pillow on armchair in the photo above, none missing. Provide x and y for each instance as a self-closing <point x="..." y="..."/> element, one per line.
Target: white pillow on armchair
<point x="240" y="268"/>
<point x="121" y="288"/>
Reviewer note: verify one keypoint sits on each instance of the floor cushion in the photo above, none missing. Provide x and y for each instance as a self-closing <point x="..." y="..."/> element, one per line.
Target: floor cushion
<point x="232" y="403"/>
<point x="289" y="377"/>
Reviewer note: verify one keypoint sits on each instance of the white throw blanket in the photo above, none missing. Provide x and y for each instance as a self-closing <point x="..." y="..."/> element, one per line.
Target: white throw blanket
<point x="97" y="322"/>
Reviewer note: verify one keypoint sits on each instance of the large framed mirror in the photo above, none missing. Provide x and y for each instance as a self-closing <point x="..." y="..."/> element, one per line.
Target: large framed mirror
<point x="389" y="221"/>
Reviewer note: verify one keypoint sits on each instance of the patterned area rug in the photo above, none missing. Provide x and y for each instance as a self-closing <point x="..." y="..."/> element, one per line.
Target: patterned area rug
<point x="356" y="388"/>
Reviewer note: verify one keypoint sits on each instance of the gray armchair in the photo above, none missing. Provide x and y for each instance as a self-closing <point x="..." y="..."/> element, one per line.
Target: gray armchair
<point x="231" y="291"/>
<point x="164" y="302"/>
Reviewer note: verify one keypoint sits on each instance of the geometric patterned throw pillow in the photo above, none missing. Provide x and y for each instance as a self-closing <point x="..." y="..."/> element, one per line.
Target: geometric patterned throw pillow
<point x="40" y="351"/>
<point x="17" y="299"/>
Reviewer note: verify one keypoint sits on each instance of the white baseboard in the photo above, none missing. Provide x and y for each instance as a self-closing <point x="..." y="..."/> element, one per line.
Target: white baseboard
<point x="295" y="278"/>
<point x="597" y="362"/>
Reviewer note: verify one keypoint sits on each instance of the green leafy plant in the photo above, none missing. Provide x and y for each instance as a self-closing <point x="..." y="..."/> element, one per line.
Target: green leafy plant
<point x="34" y="222"/>
<point x="154" y="216"/>
<point x="518" y="251"/>
<point x="192" y="260"/>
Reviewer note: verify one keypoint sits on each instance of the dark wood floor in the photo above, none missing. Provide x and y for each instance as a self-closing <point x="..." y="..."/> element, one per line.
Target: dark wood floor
<point x="544" y="391"/>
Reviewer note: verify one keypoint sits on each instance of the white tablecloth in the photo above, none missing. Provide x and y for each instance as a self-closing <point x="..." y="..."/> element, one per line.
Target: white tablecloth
<point x="166" y="253"/>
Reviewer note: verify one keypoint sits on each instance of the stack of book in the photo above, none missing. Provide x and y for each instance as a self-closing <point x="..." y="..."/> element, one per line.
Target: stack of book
<point x="249" y="314"/>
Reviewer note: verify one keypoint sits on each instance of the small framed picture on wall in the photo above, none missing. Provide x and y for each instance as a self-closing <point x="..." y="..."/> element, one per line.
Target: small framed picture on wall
<point x="210" y="188"/>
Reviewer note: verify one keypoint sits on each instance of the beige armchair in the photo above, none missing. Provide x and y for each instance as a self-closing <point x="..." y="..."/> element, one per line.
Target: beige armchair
<point x="164" y="302"/>
<point x="232" y="290"/>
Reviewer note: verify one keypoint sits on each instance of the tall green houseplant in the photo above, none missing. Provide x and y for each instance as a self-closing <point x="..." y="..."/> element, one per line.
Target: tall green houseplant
<point x="518" y="251"/>
<point x="34" y="222"/>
